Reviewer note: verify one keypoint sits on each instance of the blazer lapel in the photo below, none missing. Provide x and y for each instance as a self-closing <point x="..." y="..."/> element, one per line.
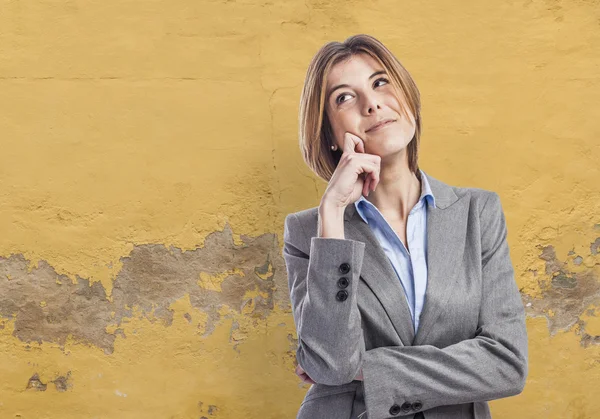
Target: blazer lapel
<point x="446" y="233"/>
<point x="379" y="275"/>
<point x="446" y="228"/>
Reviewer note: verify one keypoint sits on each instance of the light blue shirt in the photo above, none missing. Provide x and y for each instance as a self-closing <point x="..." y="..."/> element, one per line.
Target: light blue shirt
<point x="411" y="267"/>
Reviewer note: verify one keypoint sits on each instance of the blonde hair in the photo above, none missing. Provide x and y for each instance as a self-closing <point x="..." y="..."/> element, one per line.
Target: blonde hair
<point x="315" y="133"/>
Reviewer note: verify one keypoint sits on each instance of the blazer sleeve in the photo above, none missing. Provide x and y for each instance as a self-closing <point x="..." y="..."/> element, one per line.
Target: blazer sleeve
<point x="491" y="365"/>
<point x="328" y="324"/>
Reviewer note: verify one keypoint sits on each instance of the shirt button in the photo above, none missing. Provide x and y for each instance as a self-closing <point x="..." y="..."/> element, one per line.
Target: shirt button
<point x="341" y="295"/>
<point x="344" y="268"/>
<point x="394" y="410"/>
<point x="343" y="282"/>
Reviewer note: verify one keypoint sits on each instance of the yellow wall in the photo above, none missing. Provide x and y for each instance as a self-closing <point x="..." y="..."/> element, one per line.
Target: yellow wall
<point x="149" y="155"/>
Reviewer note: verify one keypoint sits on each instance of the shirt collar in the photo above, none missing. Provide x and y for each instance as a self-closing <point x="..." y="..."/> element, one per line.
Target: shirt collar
<point x="363" y="205"/>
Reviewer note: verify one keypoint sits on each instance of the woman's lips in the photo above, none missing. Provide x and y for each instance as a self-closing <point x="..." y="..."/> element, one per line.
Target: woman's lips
<point x="385" y="124"/>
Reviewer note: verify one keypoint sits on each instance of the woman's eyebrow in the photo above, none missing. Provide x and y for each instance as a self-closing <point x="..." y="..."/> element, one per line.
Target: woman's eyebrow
<point x="339" y="86"/>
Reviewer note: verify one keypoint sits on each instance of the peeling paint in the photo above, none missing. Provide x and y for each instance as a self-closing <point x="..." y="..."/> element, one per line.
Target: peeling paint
<point x="566" y="296"/>
<point x="35" y="383"/>
<point x="151" y="278"/>
<point x="61" y="383"/>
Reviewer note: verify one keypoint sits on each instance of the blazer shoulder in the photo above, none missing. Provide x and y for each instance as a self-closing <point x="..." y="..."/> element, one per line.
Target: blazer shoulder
<point x="300" y="226"/>
<point x="446" y="194"/>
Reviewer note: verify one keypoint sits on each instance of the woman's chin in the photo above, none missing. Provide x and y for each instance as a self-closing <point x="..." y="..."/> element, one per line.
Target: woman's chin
<point x="385" y="152"/>
<point x="384" y="147"/>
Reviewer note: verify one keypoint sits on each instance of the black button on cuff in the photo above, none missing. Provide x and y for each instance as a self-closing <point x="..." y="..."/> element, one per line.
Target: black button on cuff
<point x="406" y="406"/>
<point x="341" y="295"/>
<point x="417" y="405"/>
<point x="394" y="410"/>
<point x="344" y="268"/>
<point x="343" y="282"/>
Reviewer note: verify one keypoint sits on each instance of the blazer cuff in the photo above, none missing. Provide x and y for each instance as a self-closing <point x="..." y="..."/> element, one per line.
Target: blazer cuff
<point x="330" y="328"/>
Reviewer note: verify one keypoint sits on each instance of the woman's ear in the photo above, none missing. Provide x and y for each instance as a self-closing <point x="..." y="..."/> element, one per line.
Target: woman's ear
<point x="330" y="137"/>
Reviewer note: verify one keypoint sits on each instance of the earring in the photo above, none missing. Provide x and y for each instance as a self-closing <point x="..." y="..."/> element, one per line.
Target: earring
<point x="334" y="147"/>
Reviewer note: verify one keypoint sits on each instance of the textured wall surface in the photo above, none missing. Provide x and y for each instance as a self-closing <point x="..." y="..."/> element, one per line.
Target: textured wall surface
<point x="149" y="155"/>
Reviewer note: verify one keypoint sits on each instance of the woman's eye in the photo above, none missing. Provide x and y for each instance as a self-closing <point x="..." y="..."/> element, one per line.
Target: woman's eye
<point x="337" y="99"/>
<point x="381" y="79"/>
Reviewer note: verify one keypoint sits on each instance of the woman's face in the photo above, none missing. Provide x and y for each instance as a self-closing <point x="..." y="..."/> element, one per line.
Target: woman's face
<point x="367" y="98"/>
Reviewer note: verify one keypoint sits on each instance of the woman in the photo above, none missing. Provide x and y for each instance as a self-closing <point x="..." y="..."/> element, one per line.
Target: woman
<point x="402" y="287"/>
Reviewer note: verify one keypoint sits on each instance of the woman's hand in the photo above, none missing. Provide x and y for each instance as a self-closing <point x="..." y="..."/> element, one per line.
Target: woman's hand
<point x="303" y="375"/>
<point x="346" y="183"/>
<point x="305" y="378"/>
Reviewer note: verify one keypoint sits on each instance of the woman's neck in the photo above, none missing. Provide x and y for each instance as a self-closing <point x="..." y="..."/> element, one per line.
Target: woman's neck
<point x="397" y="193"/>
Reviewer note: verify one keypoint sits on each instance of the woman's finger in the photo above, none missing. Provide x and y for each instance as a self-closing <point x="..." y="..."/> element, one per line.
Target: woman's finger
<point x="303" y="375"/>
<point x="370" y="175"/>
<point x="366" y="185"/>
<point x="352" y="144"/>
<point x="374" y="181"/>
<point x="307" y="379"/>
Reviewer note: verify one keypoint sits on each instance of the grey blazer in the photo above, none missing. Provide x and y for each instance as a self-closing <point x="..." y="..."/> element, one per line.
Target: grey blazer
<point x="471" y="345"/>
